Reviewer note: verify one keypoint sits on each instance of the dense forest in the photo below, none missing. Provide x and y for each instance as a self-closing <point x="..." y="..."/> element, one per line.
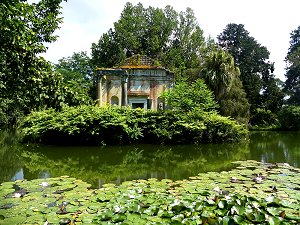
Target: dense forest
<point x="235" y="68"/>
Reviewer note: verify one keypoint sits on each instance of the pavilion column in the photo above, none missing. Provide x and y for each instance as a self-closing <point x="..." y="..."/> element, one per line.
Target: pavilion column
<point x="100" y="100"/>
<point x="124" y="80"/>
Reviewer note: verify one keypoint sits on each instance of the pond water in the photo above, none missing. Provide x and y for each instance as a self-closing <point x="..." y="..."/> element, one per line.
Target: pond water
<point x="115" y="164"/>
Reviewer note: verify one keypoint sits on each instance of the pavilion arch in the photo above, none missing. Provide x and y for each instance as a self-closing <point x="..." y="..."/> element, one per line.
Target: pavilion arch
<point x="114" y="100"/>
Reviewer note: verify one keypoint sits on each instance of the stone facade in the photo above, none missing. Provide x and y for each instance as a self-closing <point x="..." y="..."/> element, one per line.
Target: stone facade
<point x="137" y="83"/>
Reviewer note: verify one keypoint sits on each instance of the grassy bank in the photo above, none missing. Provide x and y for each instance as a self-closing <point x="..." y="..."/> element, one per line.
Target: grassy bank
<point x="110" y="125"/>
<point x="253" y="193"/>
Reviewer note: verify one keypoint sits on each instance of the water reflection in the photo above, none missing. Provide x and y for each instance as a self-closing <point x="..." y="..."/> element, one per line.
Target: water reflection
<point x="10" y="162"/>
<point x="99" y="165"/>
<point x="276" y="147"/>
<point x="19" y="175"/>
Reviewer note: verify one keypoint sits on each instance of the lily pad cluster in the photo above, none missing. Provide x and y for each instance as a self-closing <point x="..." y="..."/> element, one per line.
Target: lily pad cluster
<point x="252" y="193"/>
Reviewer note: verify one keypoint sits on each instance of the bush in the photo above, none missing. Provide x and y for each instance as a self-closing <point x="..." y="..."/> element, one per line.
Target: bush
<point x="113" y="125"/>
<point x="189" y="96"/>
<point x="10" y="113"/>
<point x="264" y="119"/>
<point x="289" y="118"/>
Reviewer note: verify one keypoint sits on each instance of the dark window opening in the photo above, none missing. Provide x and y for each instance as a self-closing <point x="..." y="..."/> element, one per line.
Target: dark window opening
<point x="137" y="105"/>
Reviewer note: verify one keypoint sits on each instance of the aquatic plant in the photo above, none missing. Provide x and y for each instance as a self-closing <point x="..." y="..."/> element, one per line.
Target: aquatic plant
<point x="253" y="193"/>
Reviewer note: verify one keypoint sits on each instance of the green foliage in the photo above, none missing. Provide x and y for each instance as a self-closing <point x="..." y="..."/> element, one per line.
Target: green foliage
<point x="253" y="62"/>
<point x="77" y="75"/>
<point x="223" y="78"/>
<point x="235" y="104"/>
<point x="9" y="114"/>
<point x="219" y="128"/>
<point x="175" y="39"/>
<point x="219" y="72"/>
<point x="253" y="193"/>
<point x="289" y="118"/>
<point x="273" y="94"/>
<point x="187" y="96"/>
<point x="263" y="118"/>
<point x="110" y="125"/>
<point x="27" y="81"/>
<point x="292" y="83"/>
<point x="77" y="67"/>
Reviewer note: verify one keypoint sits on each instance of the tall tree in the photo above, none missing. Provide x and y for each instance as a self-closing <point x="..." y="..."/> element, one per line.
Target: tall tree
<point x="77" y="74"/>
<point x="222" y="77"/>
<point x="292" y="83"/>
<point x="252" y="58"/>
<point x="172" y="38"/>
<point x="77" y="67"/>
<point x="108" y="51"/>
<point x="187" y="43"/>
<point x="219" y="72"/>
<point x="27" y="81"/>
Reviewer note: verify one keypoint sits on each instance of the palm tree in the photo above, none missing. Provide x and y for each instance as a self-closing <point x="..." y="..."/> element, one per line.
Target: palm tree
<point x="219" y="72"/>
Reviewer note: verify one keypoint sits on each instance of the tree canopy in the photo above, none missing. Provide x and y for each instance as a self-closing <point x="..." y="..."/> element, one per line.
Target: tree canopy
<point x="253" y="60"/>
<point x="189" y="96"/>
<point x="27" y="81"/>
<point x="223" y="77"/>
<point x="174" y="39"/>
<point x="292" y="83"/>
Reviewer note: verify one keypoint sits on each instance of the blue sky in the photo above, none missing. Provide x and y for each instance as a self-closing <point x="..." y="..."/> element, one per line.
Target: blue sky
<point x="270" y="22"/>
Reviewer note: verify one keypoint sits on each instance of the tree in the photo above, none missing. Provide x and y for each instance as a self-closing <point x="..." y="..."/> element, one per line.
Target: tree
<point x="219" y="72"/>
<point x="234" y="102"/>
<point x="186" y="45"/>
<point x="272" y="95"/>
<point x="187" y="96"/>
<point x="251" y="58"/>
<point x="222" y="77"/>
<point x="172" y="38"/>
<point x="108" y="51"/>
<point x="77" y="73"/>
<point x="292" y="83"/>
<point x="77" y="67"/>
<point x="27" y="81"/>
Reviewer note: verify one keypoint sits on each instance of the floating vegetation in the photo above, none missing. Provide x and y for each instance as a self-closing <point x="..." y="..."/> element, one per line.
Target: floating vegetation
<point x="252" y="193"/>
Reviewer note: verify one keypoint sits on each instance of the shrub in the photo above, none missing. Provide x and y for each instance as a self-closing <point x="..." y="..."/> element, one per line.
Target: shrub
<point x="10" y="113"/>
<point x="219" y="128"/>
<point x="188" y="96"/>
<point x="113" y="125"/>
<point x="264" y="119"/>
<point x="289" y="118"/>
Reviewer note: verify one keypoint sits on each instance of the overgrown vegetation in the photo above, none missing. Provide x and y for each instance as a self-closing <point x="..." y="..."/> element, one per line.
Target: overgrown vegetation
<point x="27" y="81"/>
<point x="253" y="193"/>
<point x="290" y="118"/>
<point x="111" y="125"/>
<point x="237" y="68"/>
<point x="264" y="119"/>
<point x="187" y="96"/>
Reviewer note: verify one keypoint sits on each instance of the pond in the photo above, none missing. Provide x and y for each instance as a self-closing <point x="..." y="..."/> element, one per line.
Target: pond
<point x="115" y="164"/>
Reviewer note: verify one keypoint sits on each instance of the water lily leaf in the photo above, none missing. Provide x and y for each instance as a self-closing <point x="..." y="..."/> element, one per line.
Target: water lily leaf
<point x="259" y="217"/>
<point x="177" y="218"/>
<point x="273" y="220"/>
<point x="133" y="217"/>
<point x="236" y="209"/>
<point x="165" y="214"/>
<point x="239" y="219"/>
<point x="13" y="220"/>
<point x="222" y="204"/>
<point x="274" y="211"/>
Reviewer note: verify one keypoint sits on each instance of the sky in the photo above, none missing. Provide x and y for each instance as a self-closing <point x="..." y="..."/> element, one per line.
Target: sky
<point x="270" y="22"/>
